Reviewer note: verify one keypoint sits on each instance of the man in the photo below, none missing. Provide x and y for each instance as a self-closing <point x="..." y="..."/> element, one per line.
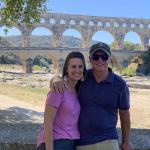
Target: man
<point x="102" y="95"/>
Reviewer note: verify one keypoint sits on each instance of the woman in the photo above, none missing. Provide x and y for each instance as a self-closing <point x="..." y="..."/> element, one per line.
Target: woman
<point x="62" y="110"/>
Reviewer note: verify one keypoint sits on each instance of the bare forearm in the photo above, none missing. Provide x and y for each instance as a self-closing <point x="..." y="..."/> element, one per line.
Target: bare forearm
<point x="125" y="125"/>
<point x="48" y="133"/>
<point x="49" y="116"/>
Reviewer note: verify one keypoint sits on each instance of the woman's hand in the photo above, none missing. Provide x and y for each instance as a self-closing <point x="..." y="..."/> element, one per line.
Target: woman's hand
<point x="58" y="84"/>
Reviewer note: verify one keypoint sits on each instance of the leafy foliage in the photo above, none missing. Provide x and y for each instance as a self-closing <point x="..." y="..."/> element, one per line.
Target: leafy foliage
<point x="42" y="61"/>
<point x="21" y="11"/>
<point x="36" y="67"/>
<point x="9" y="58"/>
<point x="130" y="70"/>
<point x="112" y="45"/>
<point x="131" y="46"/>
<point x="127" y="46"/>
<point x="146" y="58"/>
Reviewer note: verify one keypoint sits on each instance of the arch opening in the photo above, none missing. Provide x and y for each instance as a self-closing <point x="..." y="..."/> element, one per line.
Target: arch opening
<point x="41" y="37"/>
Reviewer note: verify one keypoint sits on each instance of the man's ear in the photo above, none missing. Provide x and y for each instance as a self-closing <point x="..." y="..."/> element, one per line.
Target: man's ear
<point x="109" y="59"/>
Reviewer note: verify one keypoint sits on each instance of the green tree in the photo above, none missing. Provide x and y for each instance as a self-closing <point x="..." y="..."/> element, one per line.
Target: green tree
<point x="42" y="61"/>
<point x="131" y="46"/>
<point x="5" y="31"/>
<point x="146" y="58"/>
<point x="21" y="11"/>
<point x="9" y="58"/>
<point x="112" y="45"/>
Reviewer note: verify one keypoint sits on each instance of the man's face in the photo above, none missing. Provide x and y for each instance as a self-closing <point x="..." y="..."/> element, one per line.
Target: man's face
<point x="99" y="61"/>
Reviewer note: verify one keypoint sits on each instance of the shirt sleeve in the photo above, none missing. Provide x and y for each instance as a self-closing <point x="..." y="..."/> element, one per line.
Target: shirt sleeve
<point x="54" y="99"/>
<point x="124" y="99"/>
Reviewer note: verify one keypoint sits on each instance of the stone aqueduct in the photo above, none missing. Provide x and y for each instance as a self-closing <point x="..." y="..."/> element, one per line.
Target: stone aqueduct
<point x="87" y="26"/>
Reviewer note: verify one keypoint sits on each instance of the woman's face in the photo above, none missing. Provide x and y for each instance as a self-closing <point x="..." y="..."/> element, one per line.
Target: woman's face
<point x="75" y="69"/>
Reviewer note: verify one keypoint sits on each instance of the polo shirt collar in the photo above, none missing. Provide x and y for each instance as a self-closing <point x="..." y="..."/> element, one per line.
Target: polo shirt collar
<point x="110" y="76"/>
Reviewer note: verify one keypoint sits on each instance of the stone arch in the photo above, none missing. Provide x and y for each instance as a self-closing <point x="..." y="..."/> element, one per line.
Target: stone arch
<point x="11" y="35"/>
<point x="62" y="21"/>
<point x="116" y="24"/>
<point x="107" y="24"/>
<point x="124" y="25"/>
<point x="75" y="34"/>
<point x="82" y="23"/>
<point x="97" y="23"/>
<point x="141" y="25"/>
<point x="41" y="34"/>
<point x="98" y="36"/>
<point x="53" y="58"/>
<point x="129" y="36"/>
<point x="132" y="25"/>
<point x="72" y="22"/>
<point x="100" y="23"/>
<point x="52" y="21"/>
<point x="55" y="67"/>
<point x="61" y="62"/>
<point x="42" y="20"/>
<point x="91" y="23"/>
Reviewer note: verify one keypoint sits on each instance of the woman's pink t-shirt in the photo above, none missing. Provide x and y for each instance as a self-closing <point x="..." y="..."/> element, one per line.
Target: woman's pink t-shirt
<point x="66" y="120"/>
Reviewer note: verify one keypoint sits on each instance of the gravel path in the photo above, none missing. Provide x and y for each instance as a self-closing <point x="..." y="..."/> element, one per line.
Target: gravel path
<point x="16" y="111"/>
<point x="20" y="122"/>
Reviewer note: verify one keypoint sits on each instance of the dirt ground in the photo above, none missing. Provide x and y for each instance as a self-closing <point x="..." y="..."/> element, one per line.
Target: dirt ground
<point x="16" y="110"/>
<point x="140" y="108"/>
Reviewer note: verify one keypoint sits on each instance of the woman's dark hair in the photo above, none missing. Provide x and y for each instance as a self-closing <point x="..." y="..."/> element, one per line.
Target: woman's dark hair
<point x="70" y="56"/>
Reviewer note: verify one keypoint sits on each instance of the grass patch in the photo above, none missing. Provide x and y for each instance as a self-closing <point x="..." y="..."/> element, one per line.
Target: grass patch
<point x="11" y="67"/>
<point x="27" y="94"/>
<point x="130" y="70"/>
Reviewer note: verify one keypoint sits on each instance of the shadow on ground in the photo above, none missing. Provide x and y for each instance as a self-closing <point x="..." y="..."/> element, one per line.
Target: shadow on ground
<point x="20" y="115"/>
<point x="19" y="129"/>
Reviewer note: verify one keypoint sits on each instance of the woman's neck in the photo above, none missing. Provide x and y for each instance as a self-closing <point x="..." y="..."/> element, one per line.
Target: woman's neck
<point x="71" y="84"/>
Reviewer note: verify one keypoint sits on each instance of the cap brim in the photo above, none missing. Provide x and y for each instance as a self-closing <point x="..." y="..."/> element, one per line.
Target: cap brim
<point x="94" y="51"/>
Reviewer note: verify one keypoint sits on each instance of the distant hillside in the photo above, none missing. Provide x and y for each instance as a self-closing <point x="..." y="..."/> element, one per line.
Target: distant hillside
<point x="44" y="41"/>
<point x="41" y="41"/>
<point x="4" y="43"/>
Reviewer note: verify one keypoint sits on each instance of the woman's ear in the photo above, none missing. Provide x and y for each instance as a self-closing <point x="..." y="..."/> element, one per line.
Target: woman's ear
<point x="66" y="77"/>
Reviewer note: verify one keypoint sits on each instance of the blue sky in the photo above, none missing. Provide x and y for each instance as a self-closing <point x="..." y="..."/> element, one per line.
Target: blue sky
<point x="108" y="8"/>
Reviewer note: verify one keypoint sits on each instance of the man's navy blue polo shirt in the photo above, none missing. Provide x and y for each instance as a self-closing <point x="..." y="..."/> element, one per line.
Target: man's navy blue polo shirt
<point x="99" y="107"/>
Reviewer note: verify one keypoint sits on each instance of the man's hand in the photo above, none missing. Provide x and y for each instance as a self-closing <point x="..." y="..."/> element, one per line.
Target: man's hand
<point x="58" y="84"/>
<point x="126" y="146"/>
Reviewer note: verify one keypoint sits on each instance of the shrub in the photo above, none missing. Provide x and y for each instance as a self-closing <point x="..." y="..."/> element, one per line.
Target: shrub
<point x="36" y="67"/>
<point x="9" y="58"/>
<point x="42" y="61"/>
<point x="146" y="58"/>
<point x="130" y="70"/>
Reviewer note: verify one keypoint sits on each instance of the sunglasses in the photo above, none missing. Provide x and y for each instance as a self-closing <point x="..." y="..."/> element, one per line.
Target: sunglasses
<point x="97" y="57"/>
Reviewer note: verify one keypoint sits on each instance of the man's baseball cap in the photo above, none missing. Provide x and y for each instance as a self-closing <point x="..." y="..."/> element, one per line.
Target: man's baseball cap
<point x="100" y="46"/>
